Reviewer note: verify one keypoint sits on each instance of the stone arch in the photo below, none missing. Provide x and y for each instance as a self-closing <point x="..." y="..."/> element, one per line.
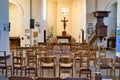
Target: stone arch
<point x="110" y="3"/>
<point x="18" y="5"/>
<point x="20" y="17"/>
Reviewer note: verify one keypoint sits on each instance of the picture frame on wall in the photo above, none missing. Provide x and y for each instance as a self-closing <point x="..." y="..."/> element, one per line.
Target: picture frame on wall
<point x="27" y="30"/>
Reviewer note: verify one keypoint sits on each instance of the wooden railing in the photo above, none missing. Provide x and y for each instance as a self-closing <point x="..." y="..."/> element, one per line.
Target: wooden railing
<point x="93" y="37"/>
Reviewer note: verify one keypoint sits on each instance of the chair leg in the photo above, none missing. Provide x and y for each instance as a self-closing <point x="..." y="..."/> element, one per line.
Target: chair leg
<point x="114" y="74"/>
<point x="2" y="71"/>
<point x="107" y="72"/>
<point x="54" y="72"/>
<point x="21" y="72"/>
<point x="25" y="72"/>
<point x="17" y="72"/>
<point x="42" y="71"/>
<point x="35" y="72"/>
<point x="6" y="72"/>
<point x="79" y="74"/>
<point x="59" y="72"/>
<point x="13" y="71"/>
<point x="72" y="72"/>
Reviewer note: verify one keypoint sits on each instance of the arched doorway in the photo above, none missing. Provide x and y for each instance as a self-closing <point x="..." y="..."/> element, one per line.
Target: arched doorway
<point x="16" y="24"/>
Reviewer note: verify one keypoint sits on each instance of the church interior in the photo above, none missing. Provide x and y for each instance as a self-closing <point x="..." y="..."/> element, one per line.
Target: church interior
<point x="59" y="39"/>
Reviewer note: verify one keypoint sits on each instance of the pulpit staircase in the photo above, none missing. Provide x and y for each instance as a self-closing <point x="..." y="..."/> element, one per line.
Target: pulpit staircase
<point x="93" y="37"/>
<point x="101" y="29"/>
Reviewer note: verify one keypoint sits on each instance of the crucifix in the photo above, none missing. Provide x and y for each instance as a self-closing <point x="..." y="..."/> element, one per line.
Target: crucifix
<point x="64" y="23"/>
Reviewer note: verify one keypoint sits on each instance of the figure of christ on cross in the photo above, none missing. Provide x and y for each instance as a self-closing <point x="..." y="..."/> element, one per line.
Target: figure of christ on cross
<point x="64" y="23"/>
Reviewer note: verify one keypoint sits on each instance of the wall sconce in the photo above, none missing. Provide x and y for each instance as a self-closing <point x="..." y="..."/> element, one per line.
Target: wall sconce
<point x="37" y="24"/>
<point x="4" y="27"/>
<point x="7" y="27"/>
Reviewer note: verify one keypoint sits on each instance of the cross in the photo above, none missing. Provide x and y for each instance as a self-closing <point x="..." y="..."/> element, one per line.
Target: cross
<point x="64" y="23"/>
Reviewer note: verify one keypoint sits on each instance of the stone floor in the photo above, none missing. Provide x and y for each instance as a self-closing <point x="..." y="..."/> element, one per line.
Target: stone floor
<point x="76" y="70"/>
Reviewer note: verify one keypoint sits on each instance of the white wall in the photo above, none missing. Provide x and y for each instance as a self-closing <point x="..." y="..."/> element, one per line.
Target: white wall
<point x="51" y="17"/>
<point x="118" y="14"/>
<point x="60" y="17"/>
<point x="14" y="19"/>
<point x="102" y="5"/>
<point x="79" y="16"/>
<point x="78" y="19"/>
<point x="22" y="14"/>
<point x="91" y="20"/>
<point x="4" y="19"/>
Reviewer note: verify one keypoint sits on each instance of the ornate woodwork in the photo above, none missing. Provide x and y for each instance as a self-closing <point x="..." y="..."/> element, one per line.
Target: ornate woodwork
<point x="100" y="26"/>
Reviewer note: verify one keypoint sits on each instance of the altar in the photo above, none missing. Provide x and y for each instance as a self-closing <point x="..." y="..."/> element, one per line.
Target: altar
<point x="64" y="39"/>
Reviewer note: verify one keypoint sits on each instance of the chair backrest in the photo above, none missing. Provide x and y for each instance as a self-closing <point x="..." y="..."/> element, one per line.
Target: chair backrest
<point x="84" y="57"/>
<point x="105" y="61"/>
<point x="66" y="60"/>
<point x="117" y="59"/>
<point x="17" y="59"/>
<point x="92" y="54"/>
<point x="102" y="51"/>
<point x="31" y="58"/>
<point x="20" y="78"/>
<point x="65" y="48"/>
<point x="3" y="58"/>
<point x="57" y="48"/>
<point x="116" y="62"/>
<point x="47" y="59"/>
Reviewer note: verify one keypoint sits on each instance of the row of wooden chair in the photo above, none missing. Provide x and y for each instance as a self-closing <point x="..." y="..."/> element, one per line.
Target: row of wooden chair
<point x="29" y="63"/>
<point x="42" y="78"/>
<point x="26" y="67"/>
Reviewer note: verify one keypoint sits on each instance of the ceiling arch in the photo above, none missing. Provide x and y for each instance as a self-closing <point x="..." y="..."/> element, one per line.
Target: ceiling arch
<point x="18" y="5"/>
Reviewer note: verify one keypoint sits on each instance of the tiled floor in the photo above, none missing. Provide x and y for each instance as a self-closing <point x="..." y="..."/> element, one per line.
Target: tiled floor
<point x="76" y="70"/>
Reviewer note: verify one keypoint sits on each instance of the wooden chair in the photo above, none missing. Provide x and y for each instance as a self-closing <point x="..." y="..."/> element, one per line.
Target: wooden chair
<point x="65" y="62"/>
<point x="20" y="78"/>
<point x="105" y="64"/>
<point x="65" y="49"/>
<point x="77" y="57"/>
<point x="92" y="56"/>
<point x="31" y="67"/>
<point x="47" y="62"/>
<point x="46" y="78"/>
<point x="116" y="65"/>
<point x="18" y="62"/>
<point x="57" y="49"/>
<point x="102" y="51"/>
<point x="77" y="79"/>
<point x="84" y="68"/>
<point x="3" y="63"/>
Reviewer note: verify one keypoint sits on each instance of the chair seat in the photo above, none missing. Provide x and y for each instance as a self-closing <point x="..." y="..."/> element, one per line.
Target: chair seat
<point x="18" y="66"/>
<point x="47" y="64"/>
<point x="4" y="67"/>
<point x="117" y="66"/>
<point x="30" y="68"/>
<point x="66" y="65"/>
<point x="20" y="78"/>
<point x="105" y="66"/>
<point x="85" y="69"/>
